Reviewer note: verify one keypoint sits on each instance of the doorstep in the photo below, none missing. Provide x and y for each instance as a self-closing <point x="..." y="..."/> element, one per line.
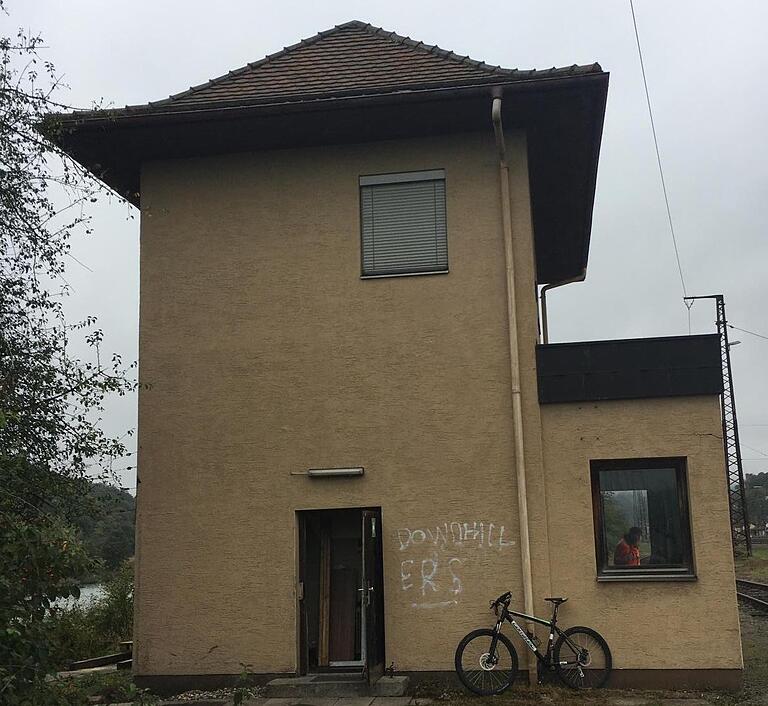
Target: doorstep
<point x="330" y="687"/>
<point x="341" y="701"/>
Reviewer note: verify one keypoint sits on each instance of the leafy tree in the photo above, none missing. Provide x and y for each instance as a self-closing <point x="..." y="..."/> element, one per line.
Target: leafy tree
<point x="614" y="522"/>
<point x="39" y="555"/>
<point x="107" y="528"/>
<point x="757" y="499"/>
<point x="94" y="627"/>
<point x="51" y="442"/>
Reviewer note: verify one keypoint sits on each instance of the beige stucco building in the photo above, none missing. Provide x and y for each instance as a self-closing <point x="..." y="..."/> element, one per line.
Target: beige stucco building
<point x="285" y="209"/>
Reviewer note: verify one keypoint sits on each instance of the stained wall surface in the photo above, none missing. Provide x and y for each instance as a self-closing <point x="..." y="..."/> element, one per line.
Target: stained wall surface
<point x="264" y="354"/>
<point x="654" y="625"/>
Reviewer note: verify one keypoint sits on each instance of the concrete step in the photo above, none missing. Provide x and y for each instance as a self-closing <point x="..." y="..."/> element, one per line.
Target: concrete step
<point x="333" y="686"/>
<point x="320" y="701"/>
<point x="322" y="685"/>
<point x="390" y="686"/>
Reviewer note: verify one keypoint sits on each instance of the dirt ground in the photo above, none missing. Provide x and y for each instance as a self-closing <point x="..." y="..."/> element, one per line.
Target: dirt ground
<point x="754" y="692"/>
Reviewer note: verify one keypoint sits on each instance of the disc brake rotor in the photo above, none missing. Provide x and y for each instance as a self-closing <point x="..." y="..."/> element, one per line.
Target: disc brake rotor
<point x="486" y="663"/>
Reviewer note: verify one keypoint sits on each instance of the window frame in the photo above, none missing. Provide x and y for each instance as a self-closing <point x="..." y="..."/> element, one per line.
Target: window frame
<point x="687" y="572"/>
<point x="382" y="179"/>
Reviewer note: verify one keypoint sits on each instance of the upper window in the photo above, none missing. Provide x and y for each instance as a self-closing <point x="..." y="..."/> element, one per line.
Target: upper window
<point x="403" y="223"/>
<point x="642" y="529"/>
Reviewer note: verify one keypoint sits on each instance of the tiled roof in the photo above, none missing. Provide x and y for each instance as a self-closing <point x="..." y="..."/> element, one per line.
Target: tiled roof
<point x="350" y="59"/>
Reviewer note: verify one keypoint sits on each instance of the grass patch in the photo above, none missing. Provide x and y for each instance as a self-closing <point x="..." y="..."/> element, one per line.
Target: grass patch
<point x="755" y="567"/>
<point x="113" y="687"/>
<point x="754" y="645"/>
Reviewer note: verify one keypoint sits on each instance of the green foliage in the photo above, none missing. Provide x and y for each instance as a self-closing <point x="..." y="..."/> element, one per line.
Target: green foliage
<point x="757" y="499"/>
<point x="39" y="560"/>
<point x="51" y="441"/>
<point x="243" y="689"/>
<point x="78" y="631"/>
<point x="614" y="520"/>
<point x="113" y="687"/>
<point x="115" y="608"/>
<point x="72" y="634"/>
<point x="107" y="525"/>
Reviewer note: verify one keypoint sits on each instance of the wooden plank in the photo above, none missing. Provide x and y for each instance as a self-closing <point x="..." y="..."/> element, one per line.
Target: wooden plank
<point x="99" y="661"/>
<point x="343" y="604"/>
<point x="325" y="595"/>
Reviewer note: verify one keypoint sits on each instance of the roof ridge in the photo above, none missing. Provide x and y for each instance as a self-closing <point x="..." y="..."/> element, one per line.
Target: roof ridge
<point x="429" y="48"/>
<point x="367" y="27"/>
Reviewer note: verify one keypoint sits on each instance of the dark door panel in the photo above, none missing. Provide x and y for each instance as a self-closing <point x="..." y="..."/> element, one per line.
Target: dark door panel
<point x="373" y="595"/>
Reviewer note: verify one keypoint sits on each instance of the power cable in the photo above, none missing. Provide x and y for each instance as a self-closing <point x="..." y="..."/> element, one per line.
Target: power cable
<point x="752" y="448"/>
<point x="751" y="333"/>
<point x="658" y="160"/>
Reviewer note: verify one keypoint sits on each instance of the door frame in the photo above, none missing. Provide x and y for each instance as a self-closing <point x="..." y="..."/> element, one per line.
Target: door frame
<point x="372" y="594"/>
<point x="302" y="653"/>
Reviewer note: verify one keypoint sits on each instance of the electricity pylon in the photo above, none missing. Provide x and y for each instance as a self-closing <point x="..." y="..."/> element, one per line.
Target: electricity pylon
<point x="737" y="498"/>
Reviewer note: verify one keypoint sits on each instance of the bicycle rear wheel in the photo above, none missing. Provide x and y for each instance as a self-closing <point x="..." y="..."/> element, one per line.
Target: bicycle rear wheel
<point x="582" y="658"/>
<point x="482" y="672"/>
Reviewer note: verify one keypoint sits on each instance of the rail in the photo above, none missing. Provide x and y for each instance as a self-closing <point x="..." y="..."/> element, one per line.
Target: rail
<point x="752" y="592"/>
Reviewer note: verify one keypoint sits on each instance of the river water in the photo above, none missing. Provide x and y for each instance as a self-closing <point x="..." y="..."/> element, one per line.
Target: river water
<point x="89" y="593"/>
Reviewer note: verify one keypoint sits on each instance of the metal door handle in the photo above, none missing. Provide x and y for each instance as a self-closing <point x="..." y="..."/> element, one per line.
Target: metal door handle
<point x="366" y="591"/>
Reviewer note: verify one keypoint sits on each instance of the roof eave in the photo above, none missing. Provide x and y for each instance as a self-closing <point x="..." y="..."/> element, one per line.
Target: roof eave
<point x="145" y="114"/>
<point x="564" y="115"/>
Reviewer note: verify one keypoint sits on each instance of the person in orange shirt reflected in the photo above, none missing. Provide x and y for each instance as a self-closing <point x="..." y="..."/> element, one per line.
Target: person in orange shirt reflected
<point x="627" y="552"/>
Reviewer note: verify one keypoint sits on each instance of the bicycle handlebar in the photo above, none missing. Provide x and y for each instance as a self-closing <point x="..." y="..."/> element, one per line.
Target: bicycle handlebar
<point x="504" y="598"/>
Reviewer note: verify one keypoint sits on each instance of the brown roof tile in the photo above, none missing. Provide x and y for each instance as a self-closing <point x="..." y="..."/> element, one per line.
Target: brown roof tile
<point x="349" y="59"/>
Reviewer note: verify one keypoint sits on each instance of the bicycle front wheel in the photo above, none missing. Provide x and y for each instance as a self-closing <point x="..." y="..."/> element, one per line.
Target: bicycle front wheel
<point x="481" y="671"/>
<point x="582" y="659"/>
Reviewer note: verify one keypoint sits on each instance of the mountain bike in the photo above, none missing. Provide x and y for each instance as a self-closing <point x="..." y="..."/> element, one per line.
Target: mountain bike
<point x="486" y="659"/>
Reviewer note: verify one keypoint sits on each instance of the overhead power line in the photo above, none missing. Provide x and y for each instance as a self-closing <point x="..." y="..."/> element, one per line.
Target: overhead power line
<point x="751" y="333"/>
<point x="752" y="448"/>
<point x="658" y="154"/>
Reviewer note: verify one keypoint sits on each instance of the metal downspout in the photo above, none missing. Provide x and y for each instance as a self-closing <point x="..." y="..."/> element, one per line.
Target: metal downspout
<point x="543" y="296"/>
<point x="514" y="363"/>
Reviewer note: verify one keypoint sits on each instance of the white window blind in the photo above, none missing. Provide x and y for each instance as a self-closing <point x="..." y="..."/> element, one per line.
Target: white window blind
<point x="403" y="223"/>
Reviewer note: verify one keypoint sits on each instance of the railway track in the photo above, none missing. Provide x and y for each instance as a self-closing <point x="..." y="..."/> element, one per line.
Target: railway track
<point x="754" y="593"/>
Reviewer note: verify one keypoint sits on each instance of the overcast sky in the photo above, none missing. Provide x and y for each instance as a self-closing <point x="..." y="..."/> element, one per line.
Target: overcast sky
<point x="706" y="63"/>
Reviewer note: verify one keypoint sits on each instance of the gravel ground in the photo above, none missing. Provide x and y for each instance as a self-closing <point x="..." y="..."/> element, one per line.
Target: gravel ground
<point x="228" y="694"/>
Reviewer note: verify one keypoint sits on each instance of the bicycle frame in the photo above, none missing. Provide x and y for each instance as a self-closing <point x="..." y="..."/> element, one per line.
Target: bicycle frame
<point x="544" y="660"/>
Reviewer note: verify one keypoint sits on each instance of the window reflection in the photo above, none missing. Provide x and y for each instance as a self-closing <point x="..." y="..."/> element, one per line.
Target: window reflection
<point x="641" y="520"/>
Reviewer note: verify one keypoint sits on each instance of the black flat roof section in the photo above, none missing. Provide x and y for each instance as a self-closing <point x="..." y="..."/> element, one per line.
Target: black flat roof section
<point x="633" y="368"/>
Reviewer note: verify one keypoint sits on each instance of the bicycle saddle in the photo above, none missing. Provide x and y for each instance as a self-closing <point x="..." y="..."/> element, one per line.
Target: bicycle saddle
<point x="556" y="601"/>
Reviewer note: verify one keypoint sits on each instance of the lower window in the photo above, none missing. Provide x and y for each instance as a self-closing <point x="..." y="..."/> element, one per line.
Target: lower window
<point x="642" y="530"/>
